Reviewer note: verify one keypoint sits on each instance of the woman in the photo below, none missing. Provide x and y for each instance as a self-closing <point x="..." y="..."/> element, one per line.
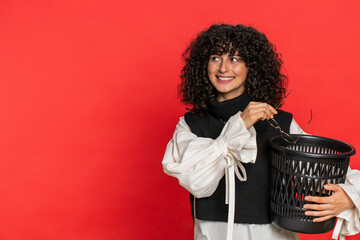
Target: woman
<point x="232" y="79"/>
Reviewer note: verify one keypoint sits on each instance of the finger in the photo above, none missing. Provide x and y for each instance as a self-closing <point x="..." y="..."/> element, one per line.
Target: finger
<point x="318" y="206"/>
<point x="319" y="199"/>
<point x="266" y="109"/>
<point x="321" y="219"/>
<point x="333" y="187"/>
<point x="262" y="115"/>
<point x="318" y="213"/>
<point x="258" y="104"/>
<point x="260" y="112"/>
<point x="269" y="107"/>
<point x="273" y="110"/>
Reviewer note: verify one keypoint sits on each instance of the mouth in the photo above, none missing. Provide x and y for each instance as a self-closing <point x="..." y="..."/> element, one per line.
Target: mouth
<point x="224" y="80"/>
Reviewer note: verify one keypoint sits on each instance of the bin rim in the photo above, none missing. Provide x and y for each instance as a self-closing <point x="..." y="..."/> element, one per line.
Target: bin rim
<point x="309" y="154"/>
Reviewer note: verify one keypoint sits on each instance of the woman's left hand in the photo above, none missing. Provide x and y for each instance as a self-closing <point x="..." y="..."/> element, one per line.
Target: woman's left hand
<point x="328" y="207"/>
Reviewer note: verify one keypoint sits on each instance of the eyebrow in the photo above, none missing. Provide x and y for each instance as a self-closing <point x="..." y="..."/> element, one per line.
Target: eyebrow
<point x="234" y="55"/>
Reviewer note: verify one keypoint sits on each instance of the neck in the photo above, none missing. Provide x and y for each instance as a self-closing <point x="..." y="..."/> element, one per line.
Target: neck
<point x="229" y="106"/>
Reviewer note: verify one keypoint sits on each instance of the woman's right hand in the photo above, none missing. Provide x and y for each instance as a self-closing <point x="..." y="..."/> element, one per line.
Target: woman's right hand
<point x="256" y="111"/>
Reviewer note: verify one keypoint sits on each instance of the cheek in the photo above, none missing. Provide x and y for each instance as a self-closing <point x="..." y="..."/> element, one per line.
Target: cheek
<point x="241" y="71"/>
<point x="212" y="68"/>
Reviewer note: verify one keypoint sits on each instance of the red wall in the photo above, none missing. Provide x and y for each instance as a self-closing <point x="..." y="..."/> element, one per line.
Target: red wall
<point x="88" y="104"/>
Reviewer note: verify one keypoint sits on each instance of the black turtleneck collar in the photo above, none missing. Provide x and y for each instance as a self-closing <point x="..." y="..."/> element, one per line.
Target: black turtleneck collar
<point x="228" y="108"/>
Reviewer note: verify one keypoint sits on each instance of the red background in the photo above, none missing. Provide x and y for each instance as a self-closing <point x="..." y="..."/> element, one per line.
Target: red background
<point x="88" y="103"/>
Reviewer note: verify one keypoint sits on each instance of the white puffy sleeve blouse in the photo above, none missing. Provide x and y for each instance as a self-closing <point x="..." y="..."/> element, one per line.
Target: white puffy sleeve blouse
<point x="199" y="164"/>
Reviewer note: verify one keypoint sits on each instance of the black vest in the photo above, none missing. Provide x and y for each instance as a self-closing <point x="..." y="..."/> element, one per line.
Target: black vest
<point x="252" y="197"/>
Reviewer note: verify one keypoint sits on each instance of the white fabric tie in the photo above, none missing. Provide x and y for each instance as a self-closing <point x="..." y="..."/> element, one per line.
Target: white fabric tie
<point x="230" y="169"/>
<point x="337" y="230"/>
<point x="230" y="189"/>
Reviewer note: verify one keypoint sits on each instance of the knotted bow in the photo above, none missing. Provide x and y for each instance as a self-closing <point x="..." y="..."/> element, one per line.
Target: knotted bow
<point x="231" y="169"/>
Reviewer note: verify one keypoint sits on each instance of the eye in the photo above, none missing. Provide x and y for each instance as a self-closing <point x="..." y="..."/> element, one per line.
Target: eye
<point x="214" y="58"/>
<point x="235" y="59"/>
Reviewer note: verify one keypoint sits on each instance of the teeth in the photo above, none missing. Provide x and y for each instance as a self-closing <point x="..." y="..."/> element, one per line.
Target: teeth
<point x="225" y="78"/>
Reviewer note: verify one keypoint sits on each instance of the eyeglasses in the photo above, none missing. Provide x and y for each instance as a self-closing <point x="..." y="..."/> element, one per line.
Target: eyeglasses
<point x="287" y="137"/>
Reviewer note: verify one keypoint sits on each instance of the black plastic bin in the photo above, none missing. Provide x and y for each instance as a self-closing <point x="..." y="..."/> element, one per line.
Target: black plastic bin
<point x="302" y="169"/>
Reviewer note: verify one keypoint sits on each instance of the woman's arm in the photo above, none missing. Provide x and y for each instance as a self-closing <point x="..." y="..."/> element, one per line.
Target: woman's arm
<point x="344" y="203"/>
<point x="198" y="163"/>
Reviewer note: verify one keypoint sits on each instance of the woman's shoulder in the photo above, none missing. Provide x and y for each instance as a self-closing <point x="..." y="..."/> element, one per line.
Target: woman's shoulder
<point x="284" y="117"/>
<point x="284" y="113"/>
<point x="194" y="118"/>
<point x="197" y="122"/>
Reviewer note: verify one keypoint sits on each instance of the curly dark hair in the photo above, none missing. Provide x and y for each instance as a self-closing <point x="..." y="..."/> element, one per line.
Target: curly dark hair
<point x="264" y="81"/>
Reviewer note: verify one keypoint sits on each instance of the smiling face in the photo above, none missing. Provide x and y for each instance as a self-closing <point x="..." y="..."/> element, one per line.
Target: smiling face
<point x="227" y="74"/>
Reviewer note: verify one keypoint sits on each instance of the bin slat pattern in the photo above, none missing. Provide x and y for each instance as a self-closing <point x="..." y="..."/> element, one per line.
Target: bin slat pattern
<point x="294" y="176"/>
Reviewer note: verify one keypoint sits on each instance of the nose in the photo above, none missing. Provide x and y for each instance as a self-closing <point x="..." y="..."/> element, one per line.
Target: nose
<point x="223" y="68"/>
